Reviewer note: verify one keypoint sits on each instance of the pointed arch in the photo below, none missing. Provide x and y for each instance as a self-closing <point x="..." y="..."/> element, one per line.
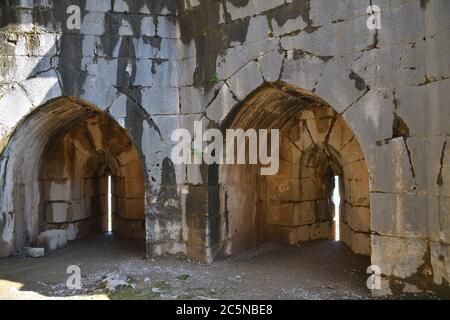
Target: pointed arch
<point x="294" y="205"/>
<point x="54" y="173"/>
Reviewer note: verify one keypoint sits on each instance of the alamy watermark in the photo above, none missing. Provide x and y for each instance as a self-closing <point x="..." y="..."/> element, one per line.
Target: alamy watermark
<point x="374" y="281"/>
<point x="374" y="20"/>
<point x="74" y="280"/>
<point x="211" y="147"/>
<point x="74" y="19"/>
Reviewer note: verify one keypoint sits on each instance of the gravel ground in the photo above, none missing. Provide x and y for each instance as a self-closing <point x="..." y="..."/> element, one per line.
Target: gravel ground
<point x="115" y="269"/>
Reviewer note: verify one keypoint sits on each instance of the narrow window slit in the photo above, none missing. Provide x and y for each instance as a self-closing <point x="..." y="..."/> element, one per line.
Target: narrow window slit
<point x="337" y="202"/>
<point x="109" y="229"/>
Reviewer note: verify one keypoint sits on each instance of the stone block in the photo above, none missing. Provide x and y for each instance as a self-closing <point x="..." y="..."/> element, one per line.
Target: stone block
<point x="390" y="168"/>
<point x="356" y="170"/>
<point x="72" y="232"/>
<point x="325" y="12"/>
<point x="242" y="220"/>
<point x="131" y="208"/>
<point x="440" y="262"/>
<point x="258" y="29"/>
<point x="351" y="152"/>
<point x="191" y="100"/>
<point x="241" y="196"/>
<point x="43" y="88"/>
<point x="398" y="32"/>
<point x="400" y="215"/>
<point x="13" y="95"/>
<point x="303" y="234"/>
<point x="127" y="156"/>
<point x="270" y="64"/>
<point x="93" y="23"/>
<point x="195" y="203"/>
<point x="246" y="80"/>
<point x="237" y="11"/>
<point x="304" y="73"/>
<point x="79" y="208"/>
<point x="281" y="214"/>
<point x="289" y="26"/>
<point x="59" y="190"/>
<point x="356" y="192"/>
<point x="371" y="117"/>
<point x="98" y="5"/>
<point x="358" y="218"/>
<point x="360" y="243"/>
<point x="168" y="27"/>
<point x="398" y="257"/>
<point x="305" y="213"/>
<point x="35" y="252"/>
<point x="344" y="235"/>
<point x="321" y="231"/>
<point x="56" y="212"/>
<point x="242" y="242"/>
<point x="52" y="239"/>
<point x="160" y="101"/>
<point x="340" y="135"/>
<point x="132" y="188"/>
<point x="319" y="128"/>
<point x="218" y="110"/>
<point x="300" y="136"/>
<point x="132" y="170"/>
<point x="280" y="189"/>
<point x="283" y="235"/>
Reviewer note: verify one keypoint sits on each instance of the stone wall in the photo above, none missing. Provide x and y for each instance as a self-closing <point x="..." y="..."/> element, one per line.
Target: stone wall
<point x="74" y="170"/>
<point x="154" y="66"/>
<point x="317" y="145"/>
<point x="295" y="205"/>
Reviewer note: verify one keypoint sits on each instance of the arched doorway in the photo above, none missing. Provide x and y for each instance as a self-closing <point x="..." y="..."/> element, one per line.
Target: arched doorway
<point x="295" y="205"/>
<point x="69" y="166"/>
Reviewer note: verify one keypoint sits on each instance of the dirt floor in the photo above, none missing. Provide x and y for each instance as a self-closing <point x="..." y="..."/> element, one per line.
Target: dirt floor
<point x="316" y="270"/>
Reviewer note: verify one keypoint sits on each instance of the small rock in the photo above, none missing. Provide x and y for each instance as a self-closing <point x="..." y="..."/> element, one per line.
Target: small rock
<point x="35" y="252"/>
<point x="52" y="239"/>
<point x="147" y="279"/>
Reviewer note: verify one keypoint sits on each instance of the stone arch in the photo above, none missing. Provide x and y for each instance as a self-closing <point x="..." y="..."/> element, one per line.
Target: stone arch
<point x="294" y="205"/>
<point x="54" y="173"/>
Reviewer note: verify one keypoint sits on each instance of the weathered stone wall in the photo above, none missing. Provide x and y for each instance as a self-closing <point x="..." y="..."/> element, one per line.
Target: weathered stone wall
<point x="316" y="146"/>
<point x="124" y="61"/>
<point x="154" y="66"/>
<point x="295" y="205"/>
<point x="73" y="176"/>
